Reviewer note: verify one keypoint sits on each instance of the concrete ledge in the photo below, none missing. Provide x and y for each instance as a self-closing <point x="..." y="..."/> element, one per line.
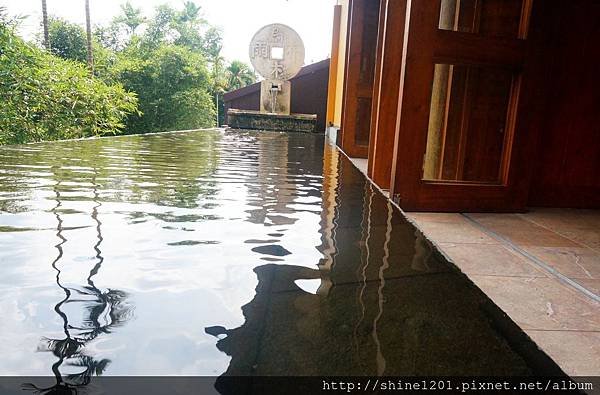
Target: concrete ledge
<point x="246" y="119"/>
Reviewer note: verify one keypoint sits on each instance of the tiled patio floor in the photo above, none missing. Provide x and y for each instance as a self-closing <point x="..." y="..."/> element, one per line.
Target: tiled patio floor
<point x="541" y="268"/>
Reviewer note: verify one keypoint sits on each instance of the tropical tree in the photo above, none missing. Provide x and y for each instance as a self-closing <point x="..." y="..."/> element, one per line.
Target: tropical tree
<point x="130" y="17"/>
<point x="88" y="28"/>
<point x="239" y="75"/>
<point x="45" y="97"/>
<point x="45" y="24"/>
<point x="173" y="86"/>
<point x="68" y="40"/>
<point x="190" y="13"/>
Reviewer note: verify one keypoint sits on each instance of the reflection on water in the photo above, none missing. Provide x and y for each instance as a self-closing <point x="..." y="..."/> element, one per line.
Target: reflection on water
<point x="242" y="252"/>
<point x="86" y="313"/>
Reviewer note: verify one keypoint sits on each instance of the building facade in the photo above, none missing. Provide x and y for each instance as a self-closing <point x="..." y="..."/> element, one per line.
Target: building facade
<point x="470" y="105"/>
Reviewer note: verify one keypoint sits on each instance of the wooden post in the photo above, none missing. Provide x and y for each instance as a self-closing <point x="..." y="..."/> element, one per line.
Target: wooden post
<point x="381" y="149"/>
<point x="383" y="4"/>
<point x="333" y="64"/>
<point x="360" y="71"/>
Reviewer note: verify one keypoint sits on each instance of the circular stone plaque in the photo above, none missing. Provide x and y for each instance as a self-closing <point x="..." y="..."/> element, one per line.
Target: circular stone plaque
<point x="277" y="52"/>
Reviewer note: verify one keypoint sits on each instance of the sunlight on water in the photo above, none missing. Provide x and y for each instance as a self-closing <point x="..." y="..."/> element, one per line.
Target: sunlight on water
<point x="135" y="244"/>
<point x="223" y="253"/>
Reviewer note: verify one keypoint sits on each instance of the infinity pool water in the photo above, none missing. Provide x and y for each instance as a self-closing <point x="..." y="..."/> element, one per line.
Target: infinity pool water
<point x="212" y="253"/>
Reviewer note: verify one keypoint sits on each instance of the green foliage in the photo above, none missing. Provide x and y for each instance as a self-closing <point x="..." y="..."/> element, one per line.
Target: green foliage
<point x="213" y="43"/>
<point x="239" y="75"/>
<point x="130" y="17"/>
<point x="172" y="83"/>
<point x="67" y="40"/>
<point x="47" y="98"/>
<point x="169" y="26"/>
<point x="169" y="66"/>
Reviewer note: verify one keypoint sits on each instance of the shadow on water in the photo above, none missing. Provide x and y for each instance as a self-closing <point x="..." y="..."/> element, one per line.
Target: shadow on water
<point x="102" y="311"/>
<point x="383" y="302"/>
<point x="331" y="278"/>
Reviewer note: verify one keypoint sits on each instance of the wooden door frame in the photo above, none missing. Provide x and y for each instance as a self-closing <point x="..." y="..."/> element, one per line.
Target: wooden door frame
<point x="352" y="72"/>
<point x="383" y="5"/>
<point x="426" y="45"/>
<point x="386" y="91"/>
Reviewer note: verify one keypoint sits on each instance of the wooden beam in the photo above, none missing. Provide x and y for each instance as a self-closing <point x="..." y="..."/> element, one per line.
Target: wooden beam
<point x="468" y="48"/>
<point x="358" y="84"/>
<point x="382" y="142"/>
<point x="333" y="64"/>
<point x="414" y="96"/>
<point x="377" y="85"/>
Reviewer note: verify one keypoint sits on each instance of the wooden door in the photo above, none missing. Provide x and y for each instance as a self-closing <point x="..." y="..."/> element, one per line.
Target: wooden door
<point x="363" y="22"/>
<point x="462" y="139"/>
<point x="386" y="91"/>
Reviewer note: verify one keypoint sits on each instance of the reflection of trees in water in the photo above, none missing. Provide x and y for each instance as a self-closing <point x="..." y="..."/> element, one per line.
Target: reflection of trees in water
<point x="102" y="311"/>
<point x="171" y="169"/>
<point x="286" y="169"/>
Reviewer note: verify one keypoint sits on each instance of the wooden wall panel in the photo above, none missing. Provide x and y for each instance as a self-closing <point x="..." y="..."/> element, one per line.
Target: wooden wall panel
<point x="567" y="169"/>
<point x="363" y="25"/>
<point x="383" y="126"/>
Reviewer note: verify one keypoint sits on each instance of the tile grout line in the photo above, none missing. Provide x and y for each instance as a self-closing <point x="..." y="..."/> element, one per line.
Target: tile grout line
<point x="541" y="264"/>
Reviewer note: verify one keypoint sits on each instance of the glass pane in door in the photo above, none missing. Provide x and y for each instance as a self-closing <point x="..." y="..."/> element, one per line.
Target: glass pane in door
<point x="499" y="18"/>
<point x="468" y="134"/>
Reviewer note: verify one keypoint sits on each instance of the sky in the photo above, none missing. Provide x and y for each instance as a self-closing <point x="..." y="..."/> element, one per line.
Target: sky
<point x="239" y="19"/>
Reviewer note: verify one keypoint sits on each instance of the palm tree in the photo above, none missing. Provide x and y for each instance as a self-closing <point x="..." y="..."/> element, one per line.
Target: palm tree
<point x="190" y="13"/>
<point x="131" y="17"/>
<point x="45" y="24"/>
<point x="239" y="75"/>
<point x="88" y="26"/>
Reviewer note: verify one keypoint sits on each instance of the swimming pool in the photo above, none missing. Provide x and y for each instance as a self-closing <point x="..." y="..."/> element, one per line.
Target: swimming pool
<point x="209" y="253"/>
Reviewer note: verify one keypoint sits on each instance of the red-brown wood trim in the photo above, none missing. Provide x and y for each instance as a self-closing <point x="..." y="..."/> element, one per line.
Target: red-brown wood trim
<point x="377" y="86"/>
<point x="340" y="135"/>
<point x="469" y="48"/>
<point x="390" y="92"/>
<point x="352" y="76"/>
<point x="424" y="46"/>
<point x="415" y="95"/>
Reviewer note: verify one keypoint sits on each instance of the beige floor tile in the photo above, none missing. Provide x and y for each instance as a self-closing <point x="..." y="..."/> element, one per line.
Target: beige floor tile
<point x="585" y="236"/>
<point x="590" y="285"/>
<point x="436" y="217"/>
<point x="454" y="232"/>
<point x="541" y="303"/>
<point x="555" y="218"/>
<point x="490" y="259"/>
<point x="522" y="232"/>
<point x="573" y="262"/>
<point x="582" y="226"/>
<point x="577" y="353"/>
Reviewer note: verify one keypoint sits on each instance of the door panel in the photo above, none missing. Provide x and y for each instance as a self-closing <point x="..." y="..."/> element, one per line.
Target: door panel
<point x="459" y="142"/>
<point x="467" y="123"/>
<point x="363" y="25"/>
<point x="499" y="18"/>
